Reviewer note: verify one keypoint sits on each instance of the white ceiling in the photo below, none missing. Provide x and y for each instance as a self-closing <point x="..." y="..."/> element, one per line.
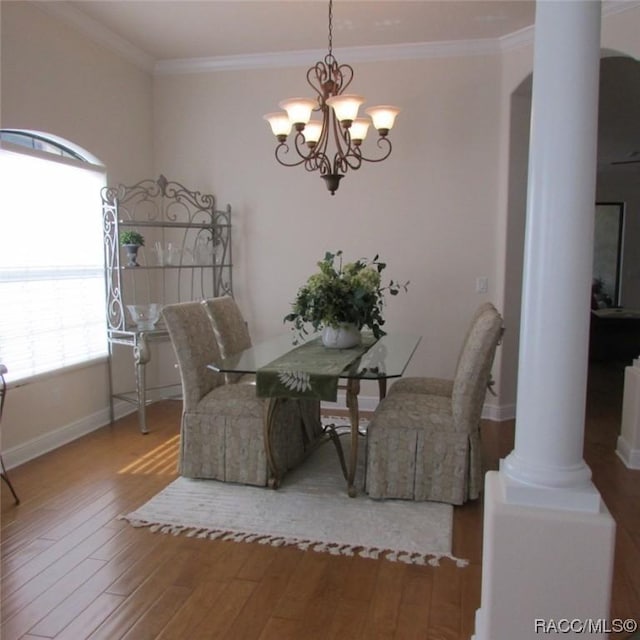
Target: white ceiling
<point x="166" y="30"/>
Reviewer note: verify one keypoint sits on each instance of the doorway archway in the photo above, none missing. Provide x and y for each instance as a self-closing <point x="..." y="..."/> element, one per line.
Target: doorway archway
<point x="618" y="180"/>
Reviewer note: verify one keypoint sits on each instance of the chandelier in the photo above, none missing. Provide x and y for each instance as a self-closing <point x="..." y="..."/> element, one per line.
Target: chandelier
<point x="338" y="123"/>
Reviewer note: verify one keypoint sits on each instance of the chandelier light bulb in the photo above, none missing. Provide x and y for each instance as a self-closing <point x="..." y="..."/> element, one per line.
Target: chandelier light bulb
<point x="358" y="130"/>
<point x="345" y="107"/>
<point x="280" y="124"/>
<point x="383" y="117"/>
<point x="299" y="110"/>
<point x="312" y="132"/>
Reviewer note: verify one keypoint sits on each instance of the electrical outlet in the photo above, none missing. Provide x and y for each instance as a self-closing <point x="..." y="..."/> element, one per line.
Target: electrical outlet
<point x="482" y="284"/>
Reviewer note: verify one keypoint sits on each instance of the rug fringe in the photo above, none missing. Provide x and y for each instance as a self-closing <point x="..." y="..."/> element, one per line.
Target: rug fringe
<point x="372" y="553"/>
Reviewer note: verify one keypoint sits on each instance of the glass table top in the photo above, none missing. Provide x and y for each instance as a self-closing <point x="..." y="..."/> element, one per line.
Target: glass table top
<point x="387" y="358"/>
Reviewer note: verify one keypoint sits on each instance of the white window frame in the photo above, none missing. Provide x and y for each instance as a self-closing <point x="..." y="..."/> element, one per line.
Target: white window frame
<point x="32" y="284"/>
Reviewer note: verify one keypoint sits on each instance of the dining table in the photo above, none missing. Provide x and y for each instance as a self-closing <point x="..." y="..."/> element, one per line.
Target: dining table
<point x="285" y="369"/>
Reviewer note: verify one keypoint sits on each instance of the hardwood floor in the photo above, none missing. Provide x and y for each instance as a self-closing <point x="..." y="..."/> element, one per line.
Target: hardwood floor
<point x="72" y="570"/>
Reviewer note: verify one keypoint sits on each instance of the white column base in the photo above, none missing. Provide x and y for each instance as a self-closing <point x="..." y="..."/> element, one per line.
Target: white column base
<point x="541" y="565"/>
<point x="584" y="497"/>
<point x="628" y="447"/>
<point x="628" y="455"/>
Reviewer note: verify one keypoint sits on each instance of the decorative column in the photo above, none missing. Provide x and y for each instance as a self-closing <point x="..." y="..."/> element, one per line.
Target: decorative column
<point x="548" y="538"/>
<point x="628" y="447"/>
<point x="554" y="334"/>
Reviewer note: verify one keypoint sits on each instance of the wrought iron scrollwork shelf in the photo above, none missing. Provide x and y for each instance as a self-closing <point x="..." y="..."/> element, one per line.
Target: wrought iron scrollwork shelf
<point x="186" y="256"/>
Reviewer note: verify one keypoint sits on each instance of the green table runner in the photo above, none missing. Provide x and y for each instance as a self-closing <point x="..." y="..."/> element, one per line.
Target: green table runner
<point x="308" y="371"/>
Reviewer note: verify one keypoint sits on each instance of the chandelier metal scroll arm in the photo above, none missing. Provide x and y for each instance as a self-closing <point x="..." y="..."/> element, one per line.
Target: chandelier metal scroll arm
<point x="382" y="142"/>
<point x="328" y="78"/>
<point x="315" y="159"/>
<point x="318" y="78"/>
<point x="344" y="148"/>
<point x="282" y="149"/>
<point x="351" y="160"/>
<point x="319" y="162"/>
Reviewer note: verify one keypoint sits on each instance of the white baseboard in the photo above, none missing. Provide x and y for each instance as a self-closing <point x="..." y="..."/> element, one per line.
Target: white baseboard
<point x="630" y="457"/>
<point x="63" y="435"/>
<point x="499" y="412"/>
<point x="365" y="403"/>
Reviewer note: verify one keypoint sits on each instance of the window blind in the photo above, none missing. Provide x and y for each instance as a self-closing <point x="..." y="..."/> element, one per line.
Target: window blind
<point x="52" y="302"/>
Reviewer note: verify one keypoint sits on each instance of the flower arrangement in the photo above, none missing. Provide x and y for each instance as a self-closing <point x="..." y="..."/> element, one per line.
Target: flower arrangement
<point x="350" y="293"/>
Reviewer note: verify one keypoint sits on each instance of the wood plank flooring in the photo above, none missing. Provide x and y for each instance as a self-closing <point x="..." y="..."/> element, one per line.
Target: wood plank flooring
<point x="72" y="570"/>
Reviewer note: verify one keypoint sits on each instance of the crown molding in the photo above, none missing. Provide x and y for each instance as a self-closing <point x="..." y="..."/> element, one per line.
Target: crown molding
<point x="612" y="7"/>
<point x="518" y="39"/>
<point x="236" y="62"/>
<point x="524" y="37"/>
<point x="97" y="32"/>
<point x="412" y="51"/>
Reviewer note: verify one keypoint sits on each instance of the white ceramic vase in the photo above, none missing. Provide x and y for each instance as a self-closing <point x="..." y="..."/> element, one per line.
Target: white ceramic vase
<point x="344" y="336"/>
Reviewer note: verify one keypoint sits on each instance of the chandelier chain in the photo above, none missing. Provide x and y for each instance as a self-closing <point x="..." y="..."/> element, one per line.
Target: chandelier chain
<point x="331" y="28"/>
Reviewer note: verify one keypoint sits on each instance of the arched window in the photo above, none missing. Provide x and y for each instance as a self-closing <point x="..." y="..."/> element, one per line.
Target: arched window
<point x="52" y="303"/>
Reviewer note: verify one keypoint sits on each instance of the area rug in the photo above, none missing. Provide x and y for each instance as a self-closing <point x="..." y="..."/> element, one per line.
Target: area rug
<point x="311" y="510"/>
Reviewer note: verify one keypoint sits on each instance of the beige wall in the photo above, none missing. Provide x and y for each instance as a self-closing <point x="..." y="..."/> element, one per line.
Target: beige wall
<point x="55" y="80"/>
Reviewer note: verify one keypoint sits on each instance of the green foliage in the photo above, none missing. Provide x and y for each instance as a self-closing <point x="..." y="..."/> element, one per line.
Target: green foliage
<point x="131" y="237"/>
<point x="349" y="293"/>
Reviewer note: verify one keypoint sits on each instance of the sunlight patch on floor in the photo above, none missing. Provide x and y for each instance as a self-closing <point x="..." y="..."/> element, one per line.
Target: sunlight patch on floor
<point x="159" y="461"/>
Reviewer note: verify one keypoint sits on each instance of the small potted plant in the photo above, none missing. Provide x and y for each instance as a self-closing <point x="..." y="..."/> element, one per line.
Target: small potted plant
<point x="132" y="241"/>
<point x="342" y="299"/>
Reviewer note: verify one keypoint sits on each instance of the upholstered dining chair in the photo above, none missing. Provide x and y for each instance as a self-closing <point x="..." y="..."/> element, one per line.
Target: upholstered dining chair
<point x="437" y="386"/>
<point x="222" y="430"/>
<point x="232" y="332"/>
<point x="233" y="336"/>
<point x="426" y="446"/>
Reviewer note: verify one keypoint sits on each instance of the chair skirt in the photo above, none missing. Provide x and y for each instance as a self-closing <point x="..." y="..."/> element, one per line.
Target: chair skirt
<point x="223" y="439"/>
<point x="413" y="453"/>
